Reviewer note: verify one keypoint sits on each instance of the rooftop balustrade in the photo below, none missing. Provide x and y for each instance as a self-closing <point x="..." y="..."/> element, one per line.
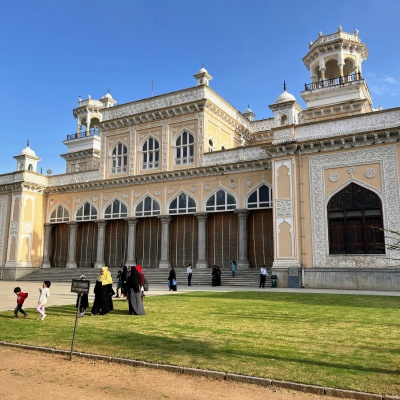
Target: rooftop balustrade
<point x="341" y="80"/>
<point x="91" y="132"/>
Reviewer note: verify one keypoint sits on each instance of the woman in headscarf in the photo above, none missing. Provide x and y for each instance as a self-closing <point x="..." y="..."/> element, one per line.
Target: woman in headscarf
<point x="133" y="286"/>
<point x="101" y="304"/>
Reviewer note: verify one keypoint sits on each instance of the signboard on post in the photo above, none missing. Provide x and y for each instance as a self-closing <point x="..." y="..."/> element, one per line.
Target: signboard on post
<point x="80" y="287"/>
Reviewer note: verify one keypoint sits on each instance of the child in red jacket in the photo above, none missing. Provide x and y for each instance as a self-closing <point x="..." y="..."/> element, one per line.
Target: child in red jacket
<point x="21" y="296"/>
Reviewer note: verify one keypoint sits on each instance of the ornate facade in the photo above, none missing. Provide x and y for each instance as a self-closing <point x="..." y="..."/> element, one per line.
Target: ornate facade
<point x="185" y="177"/>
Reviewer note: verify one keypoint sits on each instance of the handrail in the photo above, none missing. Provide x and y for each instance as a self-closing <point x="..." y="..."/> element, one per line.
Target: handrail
<point x="341" y="80"/>
<point x="91" y="132"/>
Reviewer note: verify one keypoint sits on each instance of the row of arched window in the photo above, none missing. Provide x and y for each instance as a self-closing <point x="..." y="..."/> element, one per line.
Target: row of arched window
<point x="150" y="153"/>
<point x="221" y="200"/>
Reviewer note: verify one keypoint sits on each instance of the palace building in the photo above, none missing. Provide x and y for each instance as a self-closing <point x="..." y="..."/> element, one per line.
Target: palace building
<point x="185" y="177"/>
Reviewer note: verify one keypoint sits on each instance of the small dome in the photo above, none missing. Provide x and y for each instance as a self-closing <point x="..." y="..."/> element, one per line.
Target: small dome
<point x="285" y="97"/>
<point x="107" y="96"/>
<point x="27" y="151"/>
<point x="249" y="110"/>
<point x="203" y="71"/>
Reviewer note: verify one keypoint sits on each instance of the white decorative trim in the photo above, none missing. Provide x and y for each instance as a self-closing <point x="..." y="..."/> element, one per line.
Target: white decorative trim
<point x="284" y="208"/>
<point x="370" y="173"/>
<point x="132" y="149"/>
<point x="95" y="198"/>
<point x="233" y="184"/>
<point x="68" y="201"/>
<point x="207" y="187"/>
<point x="351" y="171"/>
<point x="27" y="227"/>
<point x="286" y="263"/>
<point x="386" y="157"/>
<point x="125" y="196"/>
<point x="249" y="182"/>
<point x="157" y="192"/>
<point x="170" y="191"/>
<point x="3" y="227"/>
<point x="333" y="177"/>
<point x="193" y="189"/>
<point x="363" y="123"/>
<point x="232" y="156"/>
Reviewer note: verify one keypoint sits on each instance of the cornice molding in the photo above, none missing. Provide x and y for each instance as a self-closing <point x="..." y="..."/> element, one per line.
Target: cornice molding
<point x="202" y="172"/>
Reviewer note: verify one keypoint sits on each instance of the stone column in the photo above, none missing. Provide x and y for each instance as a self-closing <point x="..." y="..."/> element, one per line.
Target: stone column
<point x="101" y="236"/>
<point x="131" y="256"/>
<point x="164" y="262"/>
<point x="202" y="236"/>
<point x="73" y="227"/>
<point x="46" y="250"/>
<point x="243" y="261"/>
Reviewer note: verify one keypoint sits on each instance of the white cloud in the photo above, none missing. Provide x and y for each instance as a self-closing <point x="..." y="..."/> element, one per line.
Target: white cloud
<point x="390" y="80"/>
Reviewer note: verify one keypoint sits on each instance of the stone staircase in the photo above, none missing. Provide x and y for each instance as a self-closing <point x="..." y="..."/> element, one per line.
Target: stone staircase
<point x="155" y="276"/>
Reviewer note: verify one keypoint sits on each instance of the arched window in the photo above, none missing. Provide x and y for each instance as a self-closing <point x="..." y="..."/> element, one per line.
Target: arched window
<point x="150" y="153"/>
<point x="260" y="198"/>
<point x="60" y="214"/>
<point x="221" y="201"/>
<point x="119" y="159"/>
<point x="184" y="151"/>
<point x="116" y="209"/>
<point x="284" y="120"/>
<point x="182" y="204"/>
<point x="355" y="222"/>
<point x="30" y="167"/>
<point x="147" y="207"/>
<point x="86" y="212"/>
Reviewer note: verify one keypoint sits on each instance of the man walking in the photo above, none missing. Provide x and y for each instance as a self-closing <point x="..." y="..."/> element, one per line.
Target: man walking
<point x="263" y="276"/>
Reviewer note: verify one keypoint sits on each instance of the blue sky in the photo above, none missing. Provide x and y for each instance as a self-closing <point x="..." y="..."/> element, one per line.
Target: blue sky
<point x="53" y="51"/>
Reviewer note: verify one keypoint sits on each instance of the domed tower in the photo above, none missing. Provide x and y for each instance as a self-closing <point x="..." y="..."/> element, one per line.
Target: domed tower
<point x="285" y="108"/>
<point x="84" y="145"/>
<point x="337" y="87"/>
<point x="27" y="159"/>
<point x="203" y="77"/>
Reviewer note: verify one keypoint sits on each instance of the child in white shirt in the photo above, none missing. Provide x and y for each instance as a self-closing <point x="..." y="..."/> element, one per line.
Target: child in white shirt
<point x="44" y="294"/>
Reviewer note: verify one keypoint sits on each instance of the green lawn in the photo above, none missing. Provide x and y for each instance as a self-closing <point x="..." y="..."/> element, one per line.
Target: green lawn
<point x="342" y="341"/>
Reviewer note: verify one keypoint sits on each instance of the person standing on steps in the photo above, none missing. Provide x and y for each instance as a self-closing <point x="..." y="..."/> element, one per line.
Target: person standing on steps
<point x="189" y="272"/>
<point x="263" y="276"/>
<point x="233" y="267"/>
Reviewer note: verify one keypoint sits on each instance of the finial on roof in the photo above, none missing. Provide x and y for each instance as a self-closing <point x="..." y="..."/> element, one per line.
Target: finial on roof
<point x="27" y="143"/>
<point x="284" y="86"/>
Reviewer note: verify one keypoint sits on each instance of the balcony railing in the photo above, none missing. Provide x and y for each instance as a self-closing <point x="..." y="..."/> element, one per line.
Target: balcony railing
<point x="341" y="80"/>
<point x="92" y="132"/>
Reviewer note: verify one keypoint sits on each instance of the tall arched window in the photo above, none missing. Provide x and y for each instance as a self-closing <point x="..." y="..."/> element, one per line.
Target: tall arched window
<point x="147" y="207"/>
<point x="221" y="201"/>
<point x="355" y="222"/>
<point x="116" y="209"/>
<point x="119" y="159"/>
<point x="182" y="204"/>
<point x="260" y="198"/>
<point x="86" y="212"/>
<point x="60" y="214"/>
<point x="150" y="153"/>
<point x="184" y="149"/>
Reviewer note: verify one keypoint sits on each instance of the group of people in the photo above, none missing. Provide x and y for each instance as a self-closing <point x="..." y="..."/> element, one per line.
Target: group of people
<point x="44" y="293"/>
<point x="131" y="284"/>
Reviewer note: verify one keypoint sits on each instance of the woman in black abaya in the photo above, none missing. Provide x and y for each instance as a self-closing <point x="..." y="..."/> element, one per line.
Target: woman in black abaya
<point x="133" y="284"/>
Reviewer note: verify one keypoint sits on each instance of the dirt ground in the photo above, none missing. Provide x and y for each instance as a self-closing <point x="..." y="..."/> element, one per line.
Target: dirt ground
<point x="27" y="374"/>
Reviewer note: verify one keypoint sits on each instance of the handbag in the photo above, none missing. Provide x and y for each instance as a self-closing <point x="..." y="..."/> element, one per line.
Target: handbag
<point x="174" y="282"/>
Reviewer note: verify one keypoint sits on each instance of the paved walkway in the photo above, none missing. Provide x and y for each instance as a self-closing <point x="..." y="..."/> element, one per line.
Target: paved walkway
<point x="60" y="292"/>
